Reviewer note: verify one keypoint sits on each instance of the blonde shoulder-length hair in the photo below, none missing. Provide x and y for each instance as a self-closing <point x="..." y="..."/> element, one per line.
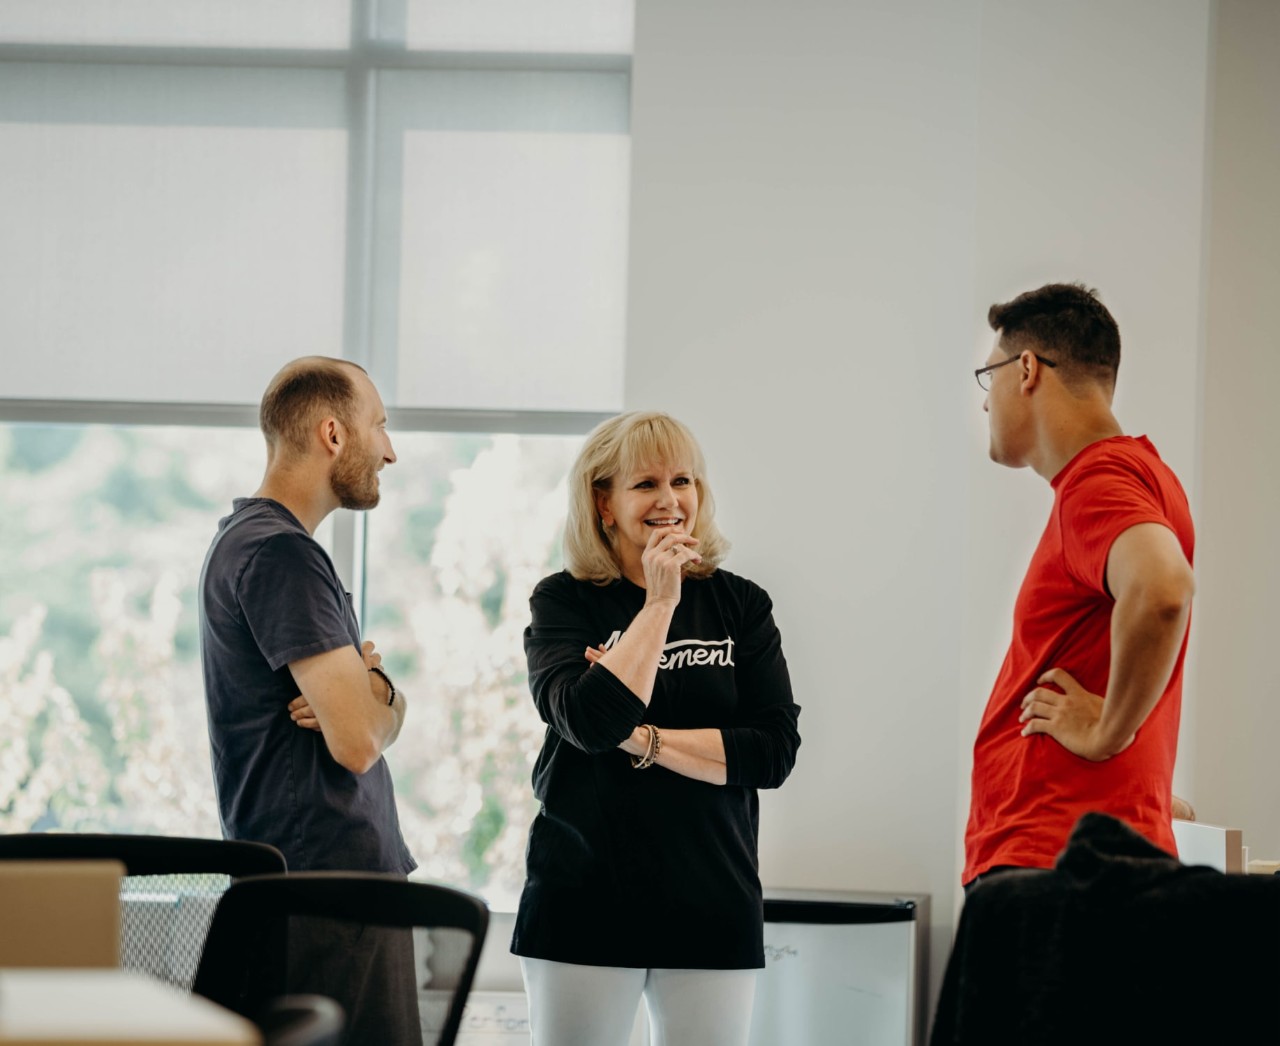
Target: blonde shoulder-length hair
<point x="617" y="447"/>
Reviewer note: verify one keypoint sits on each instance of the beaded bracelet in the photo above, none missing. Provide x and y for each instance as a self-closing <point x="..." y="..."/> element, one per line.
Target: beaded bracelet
<point x="651" y="754"/>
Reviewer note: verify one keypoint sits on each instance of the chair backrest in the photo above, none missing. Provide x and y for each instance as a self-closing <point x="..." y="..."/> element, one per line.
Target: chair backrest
<point x="399" y="956"/>
<point x="169" y="891"/>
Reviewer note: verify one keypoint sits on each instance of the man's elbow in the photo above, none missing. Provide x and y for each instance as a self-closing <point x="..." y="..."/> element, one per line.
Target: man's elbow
<point x="359" y="757"/>
<point x="1170" y="598"/>
<point x="1162" y="593"/>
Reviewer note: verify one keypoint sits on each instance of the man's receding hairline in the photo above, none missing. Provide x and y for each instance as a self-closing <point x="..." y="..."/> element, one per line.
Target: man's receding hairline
<point x="283" y="433"/>
<point x="316" y="363"/>
<point x="324" y="365"/>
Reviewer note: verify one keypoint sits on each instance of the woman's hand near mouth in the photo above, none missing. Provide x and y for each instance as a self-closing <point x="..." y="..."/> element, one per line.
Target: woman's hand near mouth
<point x="669" y="551"/>
<point x="634" y="658"/>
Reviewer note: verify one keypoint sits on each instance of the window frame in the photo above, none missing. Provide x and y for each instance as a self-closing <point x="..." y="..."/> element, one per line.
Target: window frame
<point x="367" y="56"/>
<point x="370" y="51"/>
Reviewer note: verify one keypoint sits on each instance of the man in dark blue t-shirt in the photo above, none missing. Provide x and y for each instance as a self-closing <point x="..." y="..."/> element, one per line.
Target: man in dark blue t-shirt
<point x="300" y="710"/>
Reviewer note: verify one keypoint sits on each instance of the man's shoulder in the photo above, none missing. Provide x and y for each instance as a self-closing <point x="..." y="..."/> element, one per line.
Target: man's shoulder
<point x="255" y="521"/>
<point x="1118" y="483"/>
<point x="1117" y="457"/>
<point x="255" y="525"/>
<point x="1133" y="450"/>
<point x="261" y="515"/>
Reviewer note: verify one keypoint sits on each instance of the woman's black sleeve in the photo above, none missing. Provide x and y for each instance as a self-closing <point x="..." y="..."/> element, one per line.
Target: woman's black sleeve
<point x="585" y="704"/>
<point x="760" y="745"/>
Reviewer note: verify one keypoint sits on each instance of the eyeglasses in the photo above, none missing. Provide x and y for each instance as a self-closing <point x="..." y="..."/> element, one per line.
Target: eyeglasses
<point x="983" y="374"/>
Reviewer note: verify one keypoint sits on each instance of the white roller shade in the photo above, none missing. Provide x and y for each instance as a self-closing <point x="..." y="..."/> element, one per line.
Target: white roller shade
<point x="502" y="240"/>
<point x="198" y="23"/>
<point x="166" y="237"/>
<point x="176" y="232"/>
<point x="566" y="26"/>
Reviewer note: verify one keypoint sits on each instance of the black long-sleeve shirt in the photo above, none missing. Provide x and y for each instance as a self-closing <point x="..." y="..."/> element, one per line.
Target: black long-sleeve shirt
<point x="612" y="843"/>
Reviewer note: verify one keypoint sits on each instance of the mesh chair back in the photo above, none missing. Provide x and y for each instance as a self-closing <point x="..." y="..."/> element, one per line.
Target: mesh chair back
<point x="163" y="922"/>
<point x="169" y="892"/>
<point x="398" y="956"/>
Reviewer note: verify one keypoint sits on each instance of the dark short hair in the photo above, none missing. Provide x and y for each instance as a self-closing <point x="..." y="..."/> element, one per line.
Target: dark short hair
<point x="305" y="391"/>
<point x="1066" y="322"/>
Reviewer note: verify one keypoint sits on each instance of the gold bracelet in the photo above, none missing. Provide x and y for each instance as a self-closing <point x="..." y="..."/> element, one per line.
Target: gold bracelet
<point x="636" y="760"/>
<point x="645" y="761"/>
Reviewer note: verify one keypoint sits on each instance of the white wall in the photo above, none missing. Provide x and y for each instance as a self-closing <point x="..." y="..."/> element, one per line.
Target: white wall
<point x="826" y="197"/>
<point x="1238" y="566"/>
<point x="1092" y="167"/>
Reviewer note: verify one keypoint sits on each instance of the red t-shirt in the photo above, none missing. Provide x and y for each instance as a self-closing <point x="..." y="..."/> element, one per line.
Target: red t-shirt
<point x="1028" y="792"/>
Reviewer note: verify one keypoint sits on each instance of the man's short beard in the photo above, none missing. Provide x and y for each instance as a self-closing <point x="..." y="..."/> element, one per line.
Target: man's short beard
<point x="355" y="485"/>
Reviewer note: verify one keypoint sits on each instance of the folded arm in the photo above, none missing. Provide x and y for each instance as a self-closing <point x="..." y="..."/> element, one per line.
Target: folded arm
<point x="348" y="705"/>
<point x="758" y="750"/>
<point x="762" y="753"/>
<point x="585" y="704"/>
<point x="692" y="753"/>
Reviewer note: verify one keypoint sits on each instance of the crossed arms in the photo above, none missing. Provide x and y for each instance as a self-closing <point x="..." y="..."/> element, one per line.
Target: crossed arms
<point x="596" y="699"/>
<point x="347" y="704"/>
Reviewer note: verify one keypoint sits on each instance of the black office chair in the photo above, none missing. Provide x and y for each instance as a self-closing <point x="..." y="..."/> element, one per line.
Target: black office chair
<point x="398" y="956"/>
<point x="169" y="892"/>
<point x="302" y="1020"/>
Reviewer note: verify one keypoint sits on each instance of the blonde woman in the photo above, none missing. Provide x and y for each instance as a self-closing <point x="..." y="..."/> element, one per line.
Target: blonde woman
<point x="667" y="701"/>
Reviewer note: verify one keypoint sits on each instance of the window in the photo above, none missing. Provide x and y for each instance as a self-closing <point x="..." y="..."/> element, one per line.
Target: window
<point x="195" y="192"/>
<point x="102" y="723"/>
<point x="452" y="554"/>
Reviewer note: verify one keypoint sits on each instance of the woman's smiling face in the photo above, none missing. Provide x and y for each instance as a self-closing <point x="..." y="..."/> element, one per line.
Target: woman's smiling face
<point x="657" y="497"/>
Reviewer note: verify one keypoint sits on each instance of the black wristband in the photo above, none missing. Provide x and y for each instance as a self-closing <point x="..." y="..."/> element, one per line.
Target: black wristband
<point x="391" y="699"/>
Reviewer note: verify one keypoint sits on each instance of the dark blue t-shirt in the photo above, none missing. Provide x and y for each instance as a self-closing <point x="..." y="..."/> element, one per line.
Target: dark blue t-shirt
<point x="269" y="595"/>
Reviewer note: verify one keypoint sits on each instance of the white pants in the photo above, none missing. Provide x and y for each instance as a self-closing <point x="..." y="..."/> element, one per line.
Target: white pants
<point x="572" y="1005"/>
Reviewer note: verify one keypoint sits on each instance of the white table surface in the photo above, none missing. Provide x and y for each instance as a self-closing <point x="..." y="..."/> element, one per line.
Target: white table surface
<point x="115" y="1007"/>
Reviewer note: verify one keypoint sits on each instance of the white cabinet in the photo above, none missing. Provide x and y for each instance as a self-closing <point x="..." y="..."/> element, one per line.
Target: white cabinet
<point x="842" y="968"/>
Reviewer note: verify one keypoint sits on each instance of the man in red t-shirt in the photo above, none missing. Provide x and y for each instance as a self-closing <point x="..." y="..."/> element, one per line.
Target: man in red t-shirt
<point x="1084" y="713"/>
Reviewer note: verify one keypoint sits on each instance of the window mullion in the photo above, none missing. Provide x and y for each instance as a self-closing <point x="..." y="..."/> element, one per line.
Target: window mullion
<point x="348" y="554"/>
<point x="362" y="104"/>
